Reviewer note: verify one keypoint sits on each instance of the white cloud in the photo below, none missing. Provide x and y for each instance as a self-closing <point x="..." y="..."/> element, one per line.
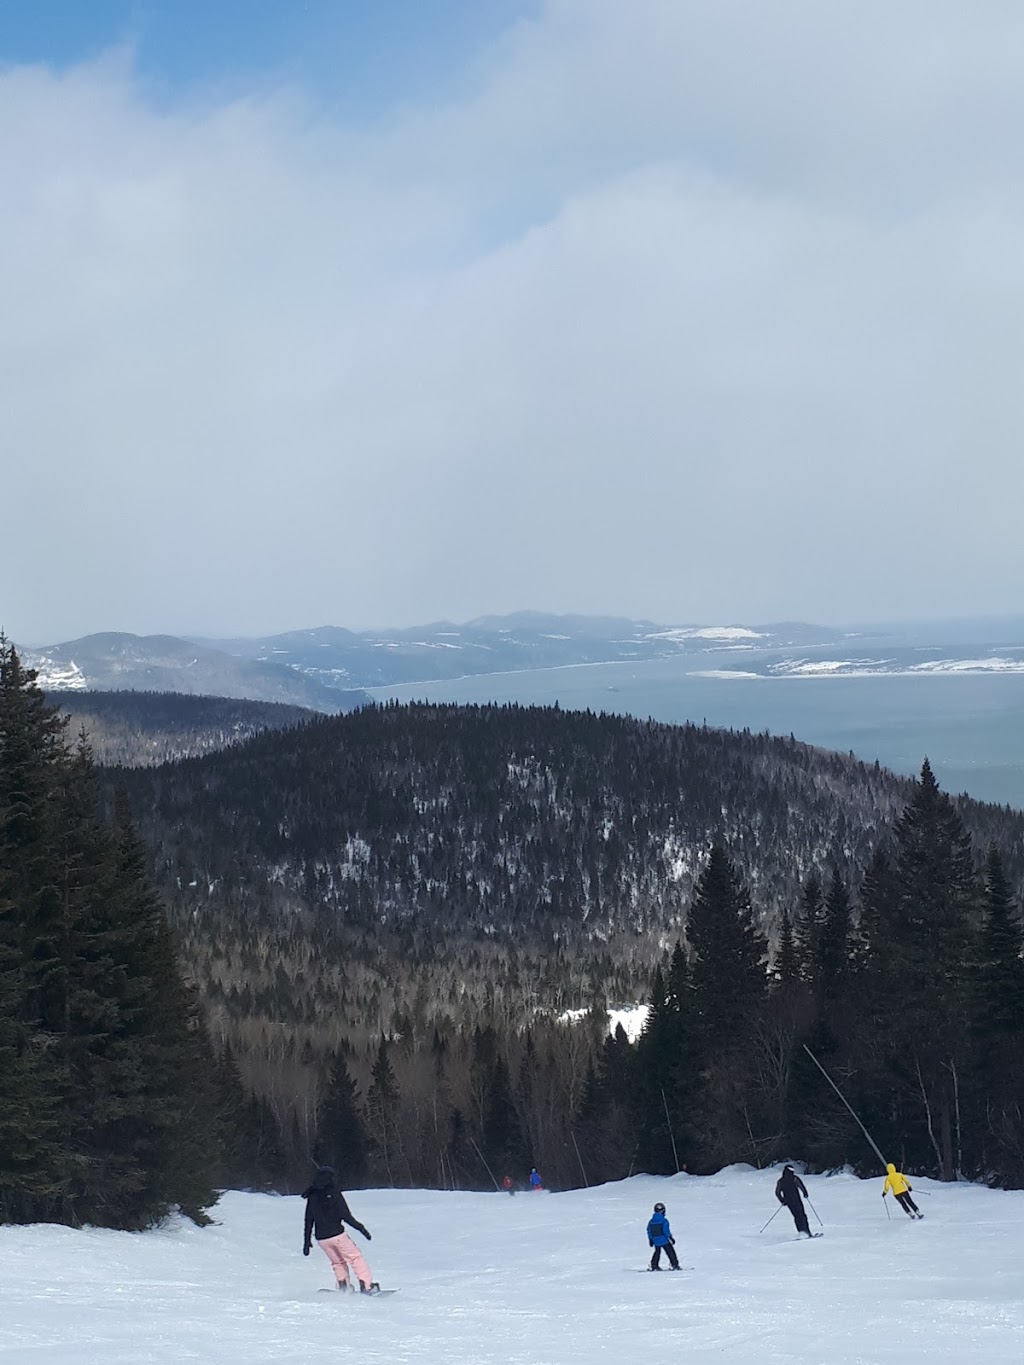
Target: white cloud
<point x="684" y="310"/>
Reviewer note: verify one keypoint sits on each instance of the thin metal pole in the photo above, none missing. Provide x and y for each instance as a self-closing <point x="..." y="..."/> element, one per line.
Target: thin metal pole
<point x="774" y="1215"/>
<point x="814" y="1210"/>
<point x="580" y="1159"/>
<point x="847" y="1103"/>
<point x="486" y="1167"/>
<point x="671" y="1134"/>
<point x="888" y="1215"/>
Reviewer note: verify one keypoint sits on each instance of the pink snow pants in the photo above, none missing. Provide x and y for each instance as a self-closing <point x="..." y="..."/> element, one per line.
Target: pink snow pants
<point x="342" y="1253"/>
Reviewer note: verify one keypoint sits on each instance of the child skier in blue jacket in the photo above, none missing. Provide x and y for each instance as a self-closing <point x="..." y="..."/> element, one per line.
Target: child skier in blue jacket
<point x="659" y="1235"/>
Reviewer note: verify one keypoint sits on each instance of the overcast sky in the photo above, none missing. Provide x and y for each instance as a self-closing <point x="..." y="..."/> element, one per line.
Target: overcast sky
<point x="377" y="313"/>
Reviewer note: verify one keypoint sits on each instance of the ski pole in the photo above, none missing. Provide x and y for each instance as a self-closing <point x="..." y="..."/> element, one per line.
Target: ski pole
<point x="888" y="1215"/>
<point x="774" y="1215"/>
<point x="815" y="1212"/>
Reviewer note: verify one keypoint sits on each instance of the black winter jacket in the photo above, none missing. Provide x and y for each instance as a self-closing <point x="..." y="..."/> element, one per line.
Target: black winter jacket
<point x="790" y="1188"/>
<point x="327" y="1211"/>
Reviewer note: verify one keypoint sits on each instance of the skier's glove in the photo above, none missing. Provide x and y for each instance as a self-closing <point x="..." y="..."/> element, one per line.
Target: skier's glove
<point x="359" y="1228"/>
<point x="305" y="1250"/>
<point x="672" y="1240"/>
<point x="649" y="1242"/>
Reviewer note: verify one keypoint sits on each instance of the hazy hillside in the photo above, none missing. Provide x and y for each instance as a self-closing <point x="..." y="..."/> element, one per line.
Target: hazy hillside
<point x="163" y="663"/>
<point x="139" y="729"/>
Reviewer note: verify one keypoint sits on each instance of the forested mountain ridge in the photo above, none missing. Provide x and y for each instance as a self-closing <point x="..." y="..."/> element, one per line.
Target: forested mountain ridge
<point x="529" y="821"/>
<point x="139" y="729"/>
<point x="404" y="899"/>
<point x="425" y="859"/>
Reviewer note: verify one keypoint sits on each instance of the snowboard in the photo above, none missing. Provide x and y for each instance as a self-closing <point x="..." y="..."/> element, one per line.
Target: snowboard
<point x="354" y="1294"/>
<point x="646" y="1270"/>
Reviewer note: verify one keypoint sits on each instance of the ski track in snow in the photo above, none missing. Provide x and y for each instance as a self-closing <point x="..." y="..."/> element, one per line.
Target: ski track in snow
<point x="538" y="1280"/>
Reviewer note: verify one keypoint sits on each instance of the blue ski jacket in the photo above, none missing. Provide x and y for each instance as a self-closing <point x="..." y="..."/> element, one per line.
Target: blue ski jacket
<point x="659" y="1234"/>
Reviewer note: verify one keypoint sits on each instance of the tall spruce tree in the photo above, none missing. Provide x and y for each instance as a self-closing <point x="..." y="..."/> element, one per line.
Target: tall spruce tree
<point x="35" y="1174"/>
<point x="382" y="1113"/>
<point x="80" y="991"/>
<point x="998" y="1053"/>
<point x="728" y="984"/>
<point x="342" y="1140"/>
<point x="929" y="945"/>
<point x="809" y="927"/>
<point x="658" y="1054"/>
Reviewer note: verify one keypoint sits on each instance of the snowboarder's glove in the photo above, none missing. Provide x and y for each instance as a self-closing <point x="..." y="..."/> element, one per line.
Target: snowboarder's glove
<point x="305" y="1250"/>
<point x="649" y="1242"/>
<point x="672" y="1240"/>
<point x="359" y="1228"/>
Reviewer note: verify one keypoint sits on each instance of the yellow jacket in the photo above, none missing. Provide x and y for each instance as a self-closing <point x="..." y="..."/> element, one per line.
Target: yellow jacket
<point x="899" y="1184"/>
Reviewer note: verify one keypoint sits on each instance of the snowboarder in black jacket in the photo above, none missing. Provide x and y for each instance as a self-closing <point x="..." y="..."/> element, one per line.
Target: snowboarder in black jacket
<point x="327" y="1212"/>
<point x="788" y="1191"/>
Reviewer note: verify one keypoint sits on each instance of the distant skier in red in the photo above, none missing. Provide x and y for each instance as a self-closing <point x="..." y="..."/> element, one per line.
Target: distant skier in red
<point x="508" y="1185"/>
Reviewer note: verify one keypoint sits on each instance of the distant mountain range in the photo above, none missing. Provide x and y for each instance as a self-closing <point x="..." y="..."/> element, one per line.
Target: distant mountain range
<point x="327" y="668"/>
<point x="501" y="644"/>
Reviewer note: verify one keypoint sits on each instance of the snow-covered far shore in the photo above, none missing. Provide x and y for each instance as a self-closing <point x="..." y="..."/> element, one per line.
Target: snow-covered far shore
<point x="538" y="1280"/>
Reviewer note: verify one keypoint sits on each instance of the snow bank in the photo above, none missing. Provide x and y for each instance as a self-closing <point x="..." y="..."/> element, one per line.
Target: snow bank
<point x="489" y="1280"/>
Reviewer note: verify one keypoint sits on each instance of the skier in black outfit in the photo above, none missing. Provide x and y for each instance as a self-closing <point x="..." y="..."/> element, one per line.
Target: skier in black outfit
<point x="788" y="1191"/>
<point x="327" y="1212"/>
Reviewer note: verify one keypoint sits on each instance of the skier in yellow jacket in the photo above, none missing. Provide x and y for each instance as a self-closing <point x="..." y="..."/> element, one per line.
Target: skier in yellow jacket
<point x="901" y="1187"/>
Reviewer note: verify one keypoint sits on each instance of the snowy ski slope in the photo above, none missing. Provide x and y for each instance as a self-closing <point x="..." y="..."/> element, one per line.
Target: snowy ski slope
<point x="538" y="1280"/>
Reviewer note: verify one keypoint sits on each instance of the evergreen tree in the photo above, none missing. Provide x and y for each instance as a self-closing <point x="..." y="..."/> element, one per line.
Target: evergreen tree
<point x="657" y="1062"/>
<point x="501" y="1134"/>
<point x="834" y="943"/>
<point x="728" y="992"/>
<point x="382" y="1110"/>
<point x="84" y="975"/>
<point x="929" y="945"/>
<point x="787" y="966"/>
<point x="810" y="924"/>
<point x="342" y="1140"/>
<point x="998" y="1071"/>
<point x="999" y="1010"/>
<point x="608" y="1123"/>
<point x="179" y="1099"/>
<point x="34" y="1169"/>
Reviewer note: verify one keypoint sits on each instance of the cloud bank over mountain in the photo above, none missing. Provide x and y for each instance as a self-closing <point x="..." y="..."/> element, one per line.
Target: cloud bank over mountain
<point x="669" y="310"/>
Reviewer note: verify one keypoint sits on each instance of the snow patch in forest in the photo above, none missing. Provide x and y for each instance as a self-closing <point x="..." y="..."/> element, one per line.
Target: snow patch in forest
<point x="631" y="1017"/>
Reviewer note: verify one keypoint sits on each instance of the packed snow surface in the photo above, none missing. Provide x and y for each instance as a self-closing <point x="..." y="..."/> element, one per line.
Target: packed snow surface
<point x="538" y="1279"/>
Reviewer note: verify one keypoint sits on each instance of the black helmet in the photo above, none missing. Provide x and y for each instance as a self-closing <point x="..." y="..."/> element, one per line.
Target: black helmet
<point x="659" y="1208"/>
